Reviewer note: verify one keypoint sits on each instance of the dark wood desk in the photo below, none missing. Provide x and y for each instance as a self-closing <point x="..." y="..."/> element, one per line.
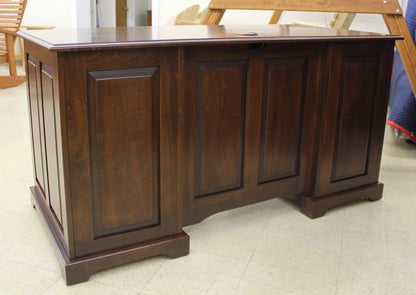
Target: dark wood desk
<point x="139" y="131"/>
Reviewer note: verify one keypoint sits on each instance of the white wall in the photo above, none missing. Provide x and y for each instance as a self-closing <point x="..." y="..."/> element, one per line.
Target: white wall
<point x="57" y="13"/>
<point x="62" y="14"/>
<point x="137" y="13"/>
<point x="107" y="13"/>
<point x="140" y="12"/>
<point x="403" y="3"/>
<point x="83" y="12"/>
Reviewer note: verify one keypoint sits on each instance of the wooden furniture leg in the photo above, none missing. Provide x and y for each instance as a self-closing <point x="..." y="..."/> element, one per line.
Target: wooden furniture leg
<point x="10" y="39"/>
<point x="277" y="14"/>
<point x="397" y="26"/>
<point x="22" y="53"/>
<point x="11" y="13"/>
<point x="13" y="79"/>
<point x="342" y="20"/>
<point x="213" y="17"/>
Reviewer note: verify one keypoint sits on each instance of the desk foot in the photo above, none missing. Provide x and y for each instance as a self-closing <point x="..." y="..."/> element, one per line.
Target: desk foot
<point x="79" y="270"/>
<point x="317" y="207"/>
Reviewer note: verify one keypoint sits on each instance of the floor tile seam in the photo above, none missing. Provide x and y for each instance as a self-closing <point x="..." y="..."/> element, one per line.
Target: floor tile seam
<point x="12" y="142"/>
<point x="215" y="279"/>
<point x="16" y="243"/>
<point x="239" y="257"/>
<point x="31" y="265"/>
<point x="339" y="262"/>
<point x="241" y="277"/>
<point x="276" y="284"/>
<point x="222" y="256"/>
<point x="10" y="211"/>
<point x="15" y="199"/>
<point x="20" y="179"/>
<point x="252" y="254"/>
<point x="261" y="235"/>
<point x="152" y="277"/>
<point x="54" y="281"/>
<point x="57" y="281"/>
<point x="210" y="286"/>
<point x="266" y="223"/>
<point x="36" y="266"/>
<point x="113" y="286"/>
<point x="20" y="137"/>
<point x="50" y="287"/>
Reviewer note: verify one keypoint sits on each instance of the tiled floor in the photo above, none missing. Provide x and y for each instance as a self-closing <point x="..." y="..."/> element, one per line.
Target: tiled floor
<point x="267" y="248"/>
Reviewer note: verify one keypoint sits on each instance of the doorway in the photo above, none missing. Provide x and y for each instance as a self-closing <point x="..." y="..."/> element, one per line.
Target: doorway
<point x="121" y="13"/>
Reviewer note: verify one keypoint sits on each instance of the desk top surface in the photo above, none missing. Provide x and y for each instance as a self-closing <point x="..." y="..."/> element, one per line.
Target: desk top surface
<point x="84" y="39"/>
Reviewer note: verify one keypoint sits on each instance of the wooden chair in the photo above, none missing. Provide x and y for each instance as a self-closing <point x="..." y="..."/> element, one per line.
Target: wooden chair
<point x="11" y="14"/>
<point x="340" y="21"/>
<point x="188" y="16"/>
<point x="390" y="9"/>
<point x="202" y="15"/>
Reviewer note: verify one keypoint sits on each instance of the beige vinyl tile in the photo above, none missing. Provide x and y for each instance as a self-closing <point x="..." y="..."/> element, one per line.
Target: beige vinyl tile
<point x="133" y="277"/>
<point x="87" y="288"/>
<point x="197" y="274"/>
<point x="21" y="279"/>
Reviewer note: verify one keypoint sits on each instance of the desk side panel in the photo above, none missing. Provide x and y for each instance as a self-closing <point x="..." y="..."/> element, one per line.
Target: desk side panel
<point x="36" y="116"/>
<point x="47" y="137"/>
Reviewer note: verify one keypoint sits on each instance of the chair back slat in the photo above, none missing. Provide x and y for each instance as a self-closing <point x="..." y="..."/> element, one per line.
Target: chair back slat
<point x="8" y="21"/>
<point x="12" y="2"/>
<point x="11" y="14"/>
<point x="3" y="47"/>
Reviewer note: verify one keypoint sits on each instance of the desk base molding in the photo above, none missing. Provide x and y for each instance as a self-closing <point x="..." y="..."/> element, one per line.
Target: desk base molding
<point x="317" y="207"/>
<point x="79" y="270"/>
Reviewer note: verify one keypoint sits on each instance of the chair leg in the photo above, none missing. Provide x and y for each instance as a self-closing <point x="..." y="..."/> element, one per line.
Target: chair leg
<point x="22" y="54"/>
<point x="277" y="14"/>
<point x="213" y="17"/>
<point x="343" y="20"/>
<point x="10" y="40"/>
<point x="397" y="26"/>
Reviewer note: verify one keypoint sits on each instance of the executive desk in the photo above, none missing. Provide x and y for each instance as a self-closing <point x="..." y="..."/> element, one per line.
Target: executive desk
<point x="137" y="132"/>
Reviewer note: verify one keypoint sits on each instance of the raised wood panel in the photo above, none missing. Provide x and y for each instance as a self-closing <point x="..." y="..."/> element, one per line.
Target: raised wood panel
<point x="38" y="143"/>
<point x="265" y="62"/>
<point x="282" y="116"/>
<point x="92" y="232"/>
<point x="358" y="86"/>
<point x="47" y="88"/>
<point x="353" y="117"/>
<point x="219" y="126"/>
<point x="124" y="149"/>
